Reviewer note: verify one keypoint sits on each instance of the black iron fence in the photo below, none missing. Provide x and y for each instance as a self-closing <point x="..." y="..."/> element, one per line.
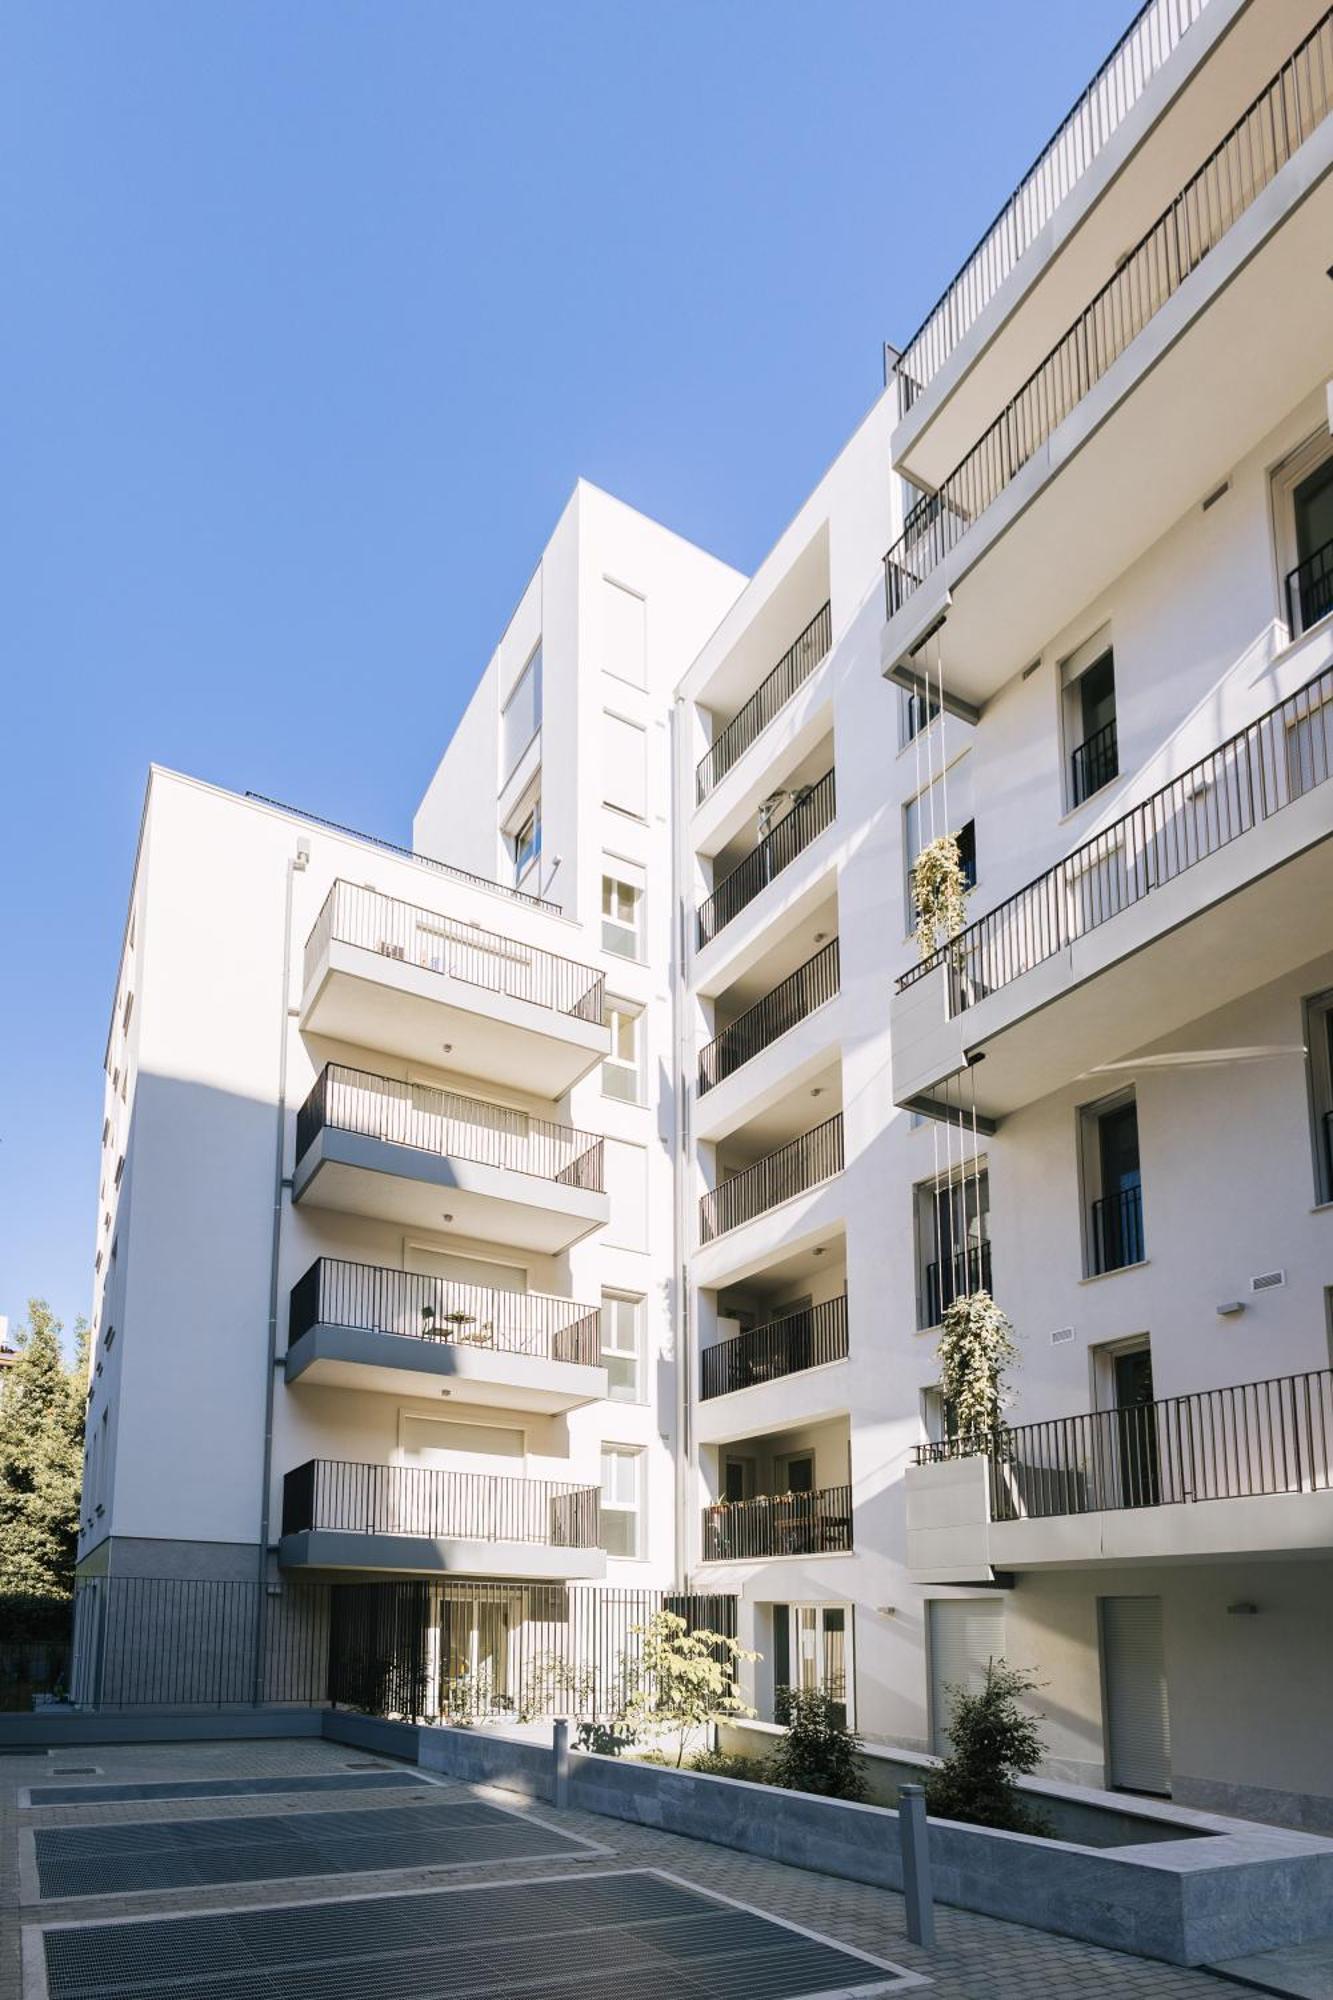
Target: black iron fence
<point x="1268" y="134"/>
<point x="800" y="1164"/>
<point x="1115" y="1230"/>
<point x="950" y="1278"/>
<point x="772" y="695"/>
<point x="779" y="1524"/>
<point x="170" y="1642"/>
<point x="335" y="1293"/>
<point x="1259" y="771"/>
<point x="1310" y="590"/>
<point x="1095" y="762"/>
<point x="443" y="1122"/>
<point x="789" y="1002"/>
<point x="804" y="822"/>
<point x="805" y="1339"/>
<point x="348" y="1498"/>
<point x="414" y="936"/>
<point x="1248" y="1442"/>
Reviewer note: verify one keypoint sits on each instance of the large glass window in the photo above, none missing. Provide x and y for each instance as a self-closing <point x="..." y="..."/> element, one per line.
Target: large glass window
<point x="622" y="1071"/>
<point x="1087" y="680"/>
<point x="622" y="1337"/>
<point x="525" y="842"/>
<point x="622" y="915"/>
<point x="622" y="1508"/>
<point x="1113" y="1185"/>
<point x="521" y="716"/>
<point x="811" y="1653"/>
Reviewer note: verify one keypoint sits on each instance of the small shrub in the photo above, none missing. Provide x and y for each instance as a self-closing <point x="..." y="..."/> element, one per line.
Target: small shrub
<point x="994" y="1743"/>
<point x="728" y="1764"/>
<point x="819" y="1753"/>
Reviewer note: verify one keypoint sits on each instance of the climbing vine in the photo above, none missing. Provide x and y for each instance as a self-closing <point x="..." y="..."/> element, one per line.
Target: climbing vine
<point x="939" y="893"/>
<point x="975" y="1348"/>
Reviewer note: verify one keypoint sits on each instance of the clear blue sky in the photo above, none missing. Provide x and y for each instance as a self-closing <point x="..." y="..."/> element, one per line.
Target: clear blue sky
<point x="314" y="311"/>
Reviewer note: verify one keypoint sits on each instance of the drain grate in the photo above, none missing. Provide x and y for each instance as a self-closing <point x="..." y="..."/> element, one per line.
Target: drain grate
<point x="220" y="1788"/>
<point x="633" y="1932"/>
<point x="75" y="1770"/>
<point x="128" y="1857"/>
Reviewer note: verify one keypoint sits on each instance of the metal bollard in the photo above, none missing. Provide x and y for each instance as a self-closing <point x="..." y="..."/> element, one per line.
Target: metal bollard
<point x="914" y="1833"/>
<point x="560" y="1762"/>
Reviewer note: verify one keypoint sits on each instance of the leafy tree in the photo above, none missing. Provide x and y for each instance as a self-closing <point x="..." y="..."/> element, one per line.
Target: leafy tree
<point x="42" y="1405"/>
<point x="685" y="1680"/>
<point x="994" y="1742"/>
<point x="819" y="1753"/>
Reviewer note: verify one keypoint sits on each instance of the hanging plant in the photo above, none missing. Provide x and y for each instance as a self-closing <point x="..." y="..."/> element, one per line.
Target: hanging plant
<point x="939" y="894"/>
<point x="975" y="1348"/>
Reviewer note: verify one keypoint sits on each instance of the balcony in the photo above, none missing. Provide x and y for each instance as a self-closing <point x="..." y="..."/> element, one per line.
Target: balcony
<point x="360" y="1327"/>
<point x="390" y="975"/>
<point x="785" y="1346"/>
<point x="1217" y="869"/>
<point x="1128" y="1485"/>
<point x="808" y="988"/>
<point x="789" y="1171"/>
<point x="376" y="1146"/>
<point x="779" y="1524"/>
<point x="1310" y="591"/>
<point x="950" y="1278"/>
<point x="1094" y="763"/>
<point x="337" y="1515"/>
<point x="794" y="832"/>
<point x="769" y="698"/>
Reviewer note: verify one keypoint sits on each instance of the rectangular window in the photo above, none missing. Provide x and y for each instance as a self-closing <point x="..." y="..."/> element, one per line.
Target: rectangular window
<point x="1112" y="1185"/>
<point x="953" y="1247"/>
<point x="622" y="1502"/>
<point x="521" y="716"/>
<point x="622" y="1323"/>
<point x="525" y="842"/>
<point x="1303" y="512"/>
<point x="1087" y="690"/>
<point x="624" y="634"/>
<point x="812" y="1653"/>
<point x="1319" y="1044"/>
<point x="964" y="1635"/>
<point x="622" y="1071"/>
<point x="622" y="917"/>
<point x="916" y="711"/>
<point x="624" y="766"/>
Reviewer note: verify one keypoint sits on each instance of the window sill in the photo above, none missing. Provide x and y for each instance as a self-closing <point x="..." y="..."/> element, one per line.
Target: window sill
<point x="1100" y="1277"/>
<point x="1072" y="812"/>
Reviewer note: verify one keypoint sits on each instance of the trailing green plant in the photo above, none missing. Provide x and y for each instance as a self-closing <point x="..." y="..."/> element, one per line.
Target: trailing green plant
<point x="976" y="1346"/>
<point x="939" y="893"/>
<point x="681" y="1682"/>
<point x="818" y="1752"/>
<point x="994" y="1741"/>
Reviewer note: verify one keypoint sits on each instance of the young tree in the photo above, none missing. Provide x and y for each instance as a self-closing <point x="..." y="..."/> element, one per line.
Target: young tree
<point x="994" y="1742"/>
<point x="819" y="1753"/>
<point x="684" y="1680"/>
<point x="42" y="1405"/>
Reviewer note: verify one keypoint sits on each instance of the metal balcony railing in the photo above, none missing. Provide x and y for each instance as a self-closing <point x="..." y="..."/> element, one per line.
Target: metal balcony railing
<point x="952" y="1278"/>
<point x="352" y="1499"/>
<point x="442" y="1122"/>
<point x="1254" y="774"/>
<point x="1115" y="1231"/>
<point x="800" y="1340"/>
<point x="772" y="695"/>
<point x="1145" y="46"/>
<point x="1256" y="149"/>
<point x="404" y="932"/>
<point x="1095" y="762"/>
<point x="1247" y="1442"/>
<point x="1310" y="590"/>
<point x="793" y="833"/>
<point x="779" y="1524"/>
<point x="802" y="1163"/>
<point x="336" y="1293"/>
<point x="789" y="1002"/>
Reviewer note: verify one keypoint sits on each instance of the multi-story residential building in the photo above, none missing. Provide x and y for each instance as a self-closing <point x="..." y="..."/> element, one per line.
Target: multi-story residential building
<point x="1099" y="651"/>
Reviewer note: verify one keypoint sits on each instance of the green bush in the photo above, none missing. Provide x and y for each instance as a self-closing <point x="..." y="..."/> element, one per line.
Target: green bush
<point x="727" y="1764"/>
<point x="994" y="1743"/>
<point x="818" y="1753"/>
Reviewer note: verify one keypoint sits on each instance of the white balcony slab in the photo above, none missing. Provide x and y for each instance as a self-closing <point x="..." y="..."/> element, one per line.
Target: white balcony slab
<point x="428" y="1555"/>
<point x="781" y="1231"/>
<point x="367" y="1361"/>
<point x="794" y="732"/>
<point x="781" y="905"/>
<point x="806" y="1396"/>
<point x="789" y="1062"/>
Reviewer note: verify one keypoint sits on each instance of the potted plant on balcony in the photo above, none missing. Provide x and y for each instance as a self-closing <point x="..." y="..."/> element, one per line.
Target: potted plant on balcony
<point x="976" y="1346"/>
<point x="939" y="894"/>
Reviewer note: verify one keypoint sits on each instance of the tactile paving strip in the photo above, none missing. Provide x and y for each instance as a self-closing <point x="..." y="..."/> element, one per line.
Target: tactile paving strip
<point x="220" y="1788"/>
<point x="129" y="1857"/>
<point x="631" y="1935"/>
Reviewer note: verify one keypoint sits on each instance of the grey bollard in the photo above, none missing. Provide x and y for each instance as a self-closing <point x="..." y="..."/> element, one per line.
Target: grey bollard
<point x="560" y="1762"/>
<point x="914" y="1833"/>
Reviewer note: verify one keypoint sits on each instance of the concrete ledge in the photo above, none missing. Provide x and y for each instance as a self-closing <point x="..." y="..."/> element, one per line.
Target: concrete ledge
<point x="61" y="1728"/>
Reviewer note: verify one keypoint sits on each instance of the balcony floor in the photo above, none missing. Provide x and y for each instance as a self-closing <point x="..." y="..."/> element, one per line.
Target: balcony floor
<point x="427" y="1555"/>
<point x="367" y="1361"/>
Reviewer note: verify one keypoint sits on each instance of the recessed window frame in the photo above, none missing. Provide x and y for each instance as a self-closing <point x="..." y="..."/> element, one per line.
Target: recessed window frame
<point x="623" y="1077"/>
<point x="626" y="1311"/>
<point x="512" y="752"/>
<point x="617" y="930"/>
<point x="621" y="1455"/>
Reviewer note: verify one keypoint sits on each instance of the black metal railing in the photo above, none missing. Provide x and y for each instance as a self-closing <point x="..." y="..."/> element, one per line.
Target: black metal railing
<point x="1310" y="590"/>
<point x="414" y="1307"/>
<point x="1256" y="773"/>
<point x="1095" y="762"/>
<point x="442" y="1122"/>
<point x="769" y="698"/>
<point x="1264" y="138"/>
<point x="414" y="936"/>
<point x="793" y="833"/>
<point x="805" y="1339"/>
<point x="1106" y="101"/>
<point x="1246" y="1442"/>
<point x="802" y="1163"/>
<point x="953" y="1278"/>
<point x="779" y="1524"/>
<point x="343" y="1498"/>
<point x="789" y="1002"/>
<point x="1115" y="1231"/>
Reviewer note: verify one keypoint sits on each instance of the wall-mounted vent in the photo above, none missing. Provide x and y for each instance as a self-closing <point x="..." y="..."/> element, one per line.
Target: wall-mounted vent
<point x="1268" y="1281"/>
<point x="1062" y="1336"/>
<point x="1217" y="493"/>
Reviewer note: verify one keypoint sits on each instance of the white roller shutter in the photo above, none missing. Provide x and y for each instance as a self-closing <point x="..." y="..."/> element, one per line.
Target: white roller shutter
<point x="1134" y="1667"/>
<point x="624" y="765"/>
<point x="965" y="1634"/>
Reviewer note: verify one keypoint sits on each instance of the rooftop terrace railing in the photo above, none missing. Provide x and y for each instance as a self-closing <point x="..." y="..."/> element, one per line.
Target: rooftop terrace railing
<point x="406" y="932"/>
<point x="347" y="1498"/>
<point x="414" y="1307"/>
<point x="1280" y="757"/>
<point x="1259" y="145"/>
<point x="769" y="698"/>
<point x="777" y="850"/>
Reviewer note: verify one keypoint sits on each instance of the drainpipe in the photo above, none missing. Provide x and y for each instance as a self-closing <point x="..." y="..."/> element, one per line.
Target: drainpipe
<point x="296" y="865"/>
<point x="680" y="1163"/>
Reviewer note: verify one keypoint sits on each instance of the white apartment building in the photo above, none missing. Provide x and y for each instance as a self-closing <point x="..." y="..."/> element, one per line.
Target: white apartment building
<point x="759" y="1137"/>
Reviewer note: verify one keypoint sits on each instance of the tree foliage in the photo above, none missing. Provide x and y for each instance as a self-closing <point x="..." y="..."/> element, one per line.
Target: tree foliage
<point x="818" y="1753"/>
<point x="994" y="1742"/>
<point x="685" y="1681"/>
<point x="42" y="1405"/>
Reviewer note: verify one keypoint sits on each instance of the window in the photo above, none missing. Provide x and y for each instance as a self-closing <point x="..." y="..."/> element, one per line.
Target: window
<point x="622" y="917"/>
<point x="624" y="766"/>
<point x="521" y="716"/>
<point x="622" y="1507"/>
<point x="1319" y="1043"/>
<point x="1087" y="682"/>
<point x="1112" y="1185"/>
<point x="964" y="1635"/>
<point x="622" y="1319"/>
<point x="933" y="812"/>
<point x="624" y="634"/>
<point x="1303" y="505"/>
<point x="811" y="1652"/>
<point x="953" y="1248"/>
<point x="916" y="711"/>
<point x="525" y="842"/>
<point x="622" y="1071"/>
